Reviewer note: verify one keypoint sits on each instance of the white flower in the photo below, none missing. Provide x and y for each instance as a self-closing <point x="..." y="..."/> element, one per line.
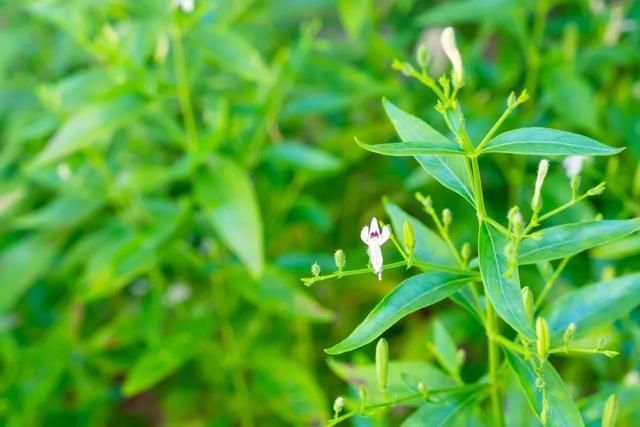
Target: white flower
<point x="448" y="41"/>
<point x="543" y="167"/>
<point x="374" y="238"/>
<point x="187" y="6"/>
<point x="573" y="165"/>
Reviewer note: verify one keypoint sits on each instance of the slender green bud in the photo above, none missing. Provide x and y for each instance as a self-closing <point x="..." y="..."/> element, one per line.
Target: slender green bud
<point x="542" y="338"/>
<point x="523" y="97"/>
<point x="315" y="269"/>
<point x="340" y="259"/>
<point x="338" y="405"/>
<point x="466" y="252"/>
<point x="597" y="190"/>
<point x="422" y="56"/>
<point x="382" y="363"/>
<point x="426" y="202"/>
<point x="461" y="356"/>
<point x="610" y="413"/>
<point x="568" y="335"/>
<point x="362" y="393"/>
<point x="422" y="389"/>
<point x="515" y="220"/>
<point x="409" y="238"/>
<point x="446" y="217"/>
<point x="511" y="101"/>
<point x="404" y="67"/>
<point x="527" y="301"/>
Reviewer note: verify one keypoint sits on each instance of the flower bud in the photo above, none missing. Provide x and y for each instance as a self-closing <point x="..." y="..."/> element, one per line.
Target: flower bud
<point x="409" y="238"/>
<point x="527" y="301"/>
<point x="448" y="41"/>
<point x="543" y="167"/>
<point x="426" y="202"/>
<point x="539" y="383"/>
<point x="338" y="405"/>
<point x="382" y="363"/>
<point x="465" y="252"/>
<point x="422" y="389"/>
<point x="568" y="335"/>
<point x="610" y="413"/>
<point x="597" y="190"/>
<point x="340" y="259"/>
<point x="461" y="355"/>
<point x="523" y="97"/>
<point x="404" y="67"/>
<point x="362" y="393"/>
<point x="542" y="338"/>
<point x="515" y="220"/>
<point x="446" y="217"/>
<point x="315" y="269"/>
<point x="511" y="101"/>
<point x="422" y="56"/>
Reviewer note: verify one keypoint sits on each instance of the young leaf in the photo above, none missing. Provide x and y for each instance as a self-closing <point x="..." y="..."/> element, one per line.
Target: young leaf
<point x="569" y="239"/>
<point x="88" y="125"/>
<point x="593" y="306"/>
<point x="401" y="149"/>
<point x="440" y="414"/>
<point x="502" y="286"/>
<point x="563" y="411"/>
<point x="410" y="295"/>
<point x="449" y="170"/>
<point x="537" y="141"/>
<point x="445" y="348"/>
<point x="403" y="376"/>
<point x="227" y="195"/>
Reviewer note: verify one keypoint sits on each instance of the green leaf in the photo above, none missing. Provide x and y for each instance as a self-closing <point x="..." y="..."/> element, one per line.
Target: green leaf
<point x="445" y="348"/>
<point x="228" y="198"/>
<point x="563" y="411"/>
<point x="20" y="266"/>
<point x="403" y="378"/>
<point x="55" y="215"/>
<point x="354" y="15"/>
<point x="89" y="125"/>
<point x="569" y="239"/>
<point x="401" y="149"/>
<point x="440" y="414"/>
<point x="410" y="295"/>
<point x="298" y="156"/>
<point x="235" y="53"/>
<point x="593" y="306"/>
<point x="158" y="363"/>
<point x="502" y="289"/>
<point x="277" y="293"/>
<point x="449" y="170"/>
<point x="429" y="245"/>
<point x="536" y="141"/>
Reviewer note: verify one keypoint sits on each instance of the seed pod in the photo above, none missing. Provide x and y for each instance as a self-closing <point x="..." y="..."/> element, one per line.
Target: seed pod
<point x="527" y="301"/>
<point x="315" y="269"/>
<point x="542" y="338"/>
<point x="409" y="238"/>
<point x="610" y="413"/>
<point x="382" y="363"/>
<point x="340" y="259"/>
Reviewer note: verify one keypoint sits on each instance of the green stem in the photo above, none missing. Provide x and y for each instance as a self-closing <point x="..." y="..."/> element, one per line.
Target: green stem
<point x="494" y="360"/>
<point x="184" y="92"/>
<point x="550" y="282"/>
<point x="495" y="127"/>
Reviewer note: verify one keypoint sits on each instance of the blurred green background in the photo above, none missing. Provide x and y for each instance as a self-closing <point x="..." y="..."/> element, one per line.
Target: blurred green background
<point x="168" y="176"/>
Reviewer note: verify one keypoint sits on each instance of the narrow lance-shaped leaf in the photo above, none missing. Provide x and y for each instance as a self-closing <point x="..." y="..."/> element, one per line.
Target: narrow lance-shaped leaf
<point x="440" y="414"/>
<point x="229" y="201"/>
<point x="562" y="409"/>
<point x="569" y="239"/>
<point x="593" y="306"/>
<point x="536" y="141"/>
<point x="449" y="170"/>
<point x="408" y="148"/>
<point x="502" y="286"/>
<point x="412" y="294"/>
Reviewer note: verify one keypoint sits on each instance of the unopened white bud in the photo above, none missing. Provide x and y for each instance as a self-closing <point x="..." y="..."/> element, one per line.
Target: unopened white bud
<point x="448" y="41"/>
<point x="338" y="405"/>
<point x="543" y="168"/>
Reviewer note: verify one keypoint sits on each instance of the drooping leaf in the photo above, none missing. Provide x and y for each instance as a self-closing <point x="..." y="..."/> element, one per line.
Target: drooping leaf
<point x="449" y="170"/>
<point x="563" y="411"/>
<point x="440" y="414"/>
<point x="593" y="306"/>
<point x="403" y="378"/>
<point x="410" y="295"/>
<point x="536" y="141"/>
<point x="89" y="125"/>
<point x="21" y="265"/>
<point x="569" y="239"/>
<point x="158" y="363"/>
<point x="412" y="148"/>
<point x="229" y="201"/>
<point x="502" y="286"/>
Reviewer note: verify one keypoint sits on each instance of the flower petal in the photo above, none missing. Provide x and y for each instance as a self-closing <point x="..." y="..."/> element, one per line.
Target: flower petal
<point x="364" y="234"/>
